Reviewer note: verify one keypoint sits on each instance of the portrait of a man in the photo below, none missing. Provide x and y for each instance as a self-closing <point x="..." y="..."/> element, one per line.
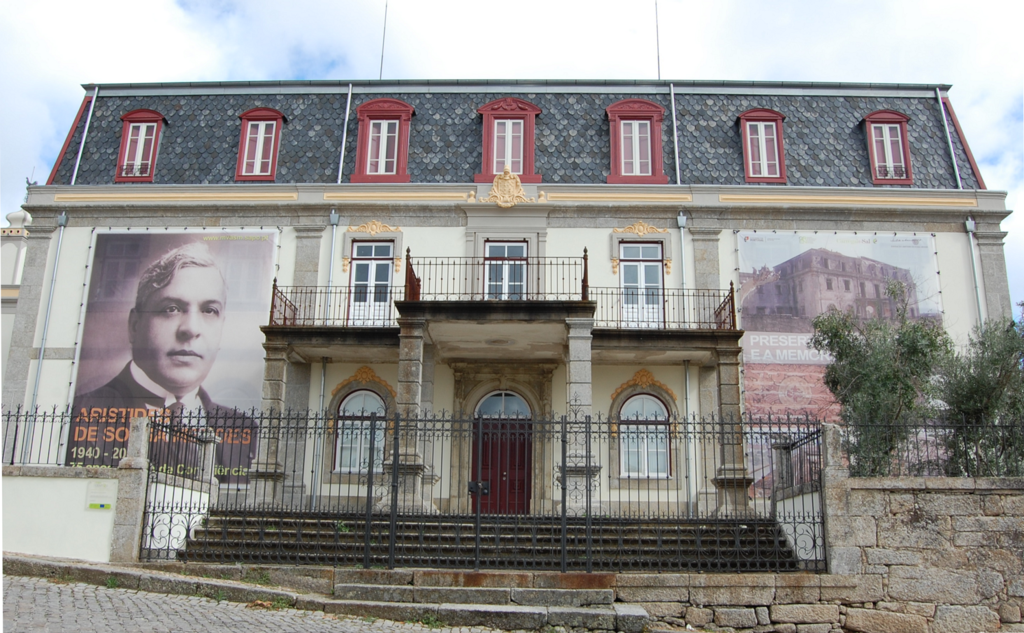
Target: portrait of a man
<point x="175" y="333"/>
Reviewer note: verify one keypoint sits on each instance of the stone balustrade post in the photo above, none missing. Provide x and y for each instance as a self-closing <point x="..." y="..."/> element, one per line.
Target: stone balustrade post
<point x="132" y="485"/>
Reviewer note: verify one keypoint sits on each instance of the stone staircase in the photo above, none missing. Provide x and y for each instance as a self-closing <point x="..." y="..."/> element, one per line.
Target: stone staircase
<point x="505" y="543"/>
<point x="508" y="601"/>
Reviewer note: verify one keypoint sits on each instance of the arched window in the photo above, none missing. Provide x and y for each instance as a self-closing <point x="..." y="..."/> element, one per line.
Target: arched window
<point x="644" y="438"/>
<point x="361" y="424"/>
<point x="504" y="404"/>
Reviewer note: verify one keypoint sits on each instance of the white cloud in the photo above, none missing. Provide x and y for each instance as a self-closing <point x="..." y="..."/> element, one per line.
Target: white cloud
<point x="49" y="47"/>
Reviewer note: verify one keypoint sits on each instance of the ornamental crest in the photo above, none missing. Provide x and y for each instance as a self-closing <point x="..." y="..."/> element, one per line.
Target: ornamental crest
<point x="364" y="375"/>
<point x="641" y="228"/>
<point x="507" y="190"/>
<point x="374" y="227"/>
<point x="643" y="379"/>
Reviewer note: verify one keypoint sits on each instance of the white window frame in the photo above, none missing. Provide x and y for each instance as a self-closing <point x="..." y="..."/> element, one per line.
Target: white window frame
<point x="134" y="162"/>
<point x="261" y="138"/>
<point x="359" y="431"/>
<point x="506" y="129"/>
<point x="647" y="308"/>
<point x="383" y="137"/>
<point x="644" y="432"/>
<point x="882" y="131"/>
<point x="505" y="264"/>
<point x="372" y="307"/>
<point x="756" y="130"/>
<point x="635" y="127"/>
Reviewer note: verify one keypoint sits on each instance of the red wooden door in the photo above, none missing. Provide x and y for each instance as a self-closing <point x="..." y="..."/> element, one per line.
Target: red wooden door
<point x="504" y="457"/>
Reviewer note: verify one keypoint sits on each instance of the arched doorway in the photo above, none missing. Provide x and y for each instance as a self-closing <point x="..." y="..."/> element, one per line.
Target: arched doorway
<point x="502" y="454"/>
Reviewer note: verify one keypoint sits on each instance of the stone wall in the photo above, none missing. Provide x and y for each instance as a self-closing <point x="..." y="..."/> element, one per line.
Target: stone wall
<point x="906" y="555"/>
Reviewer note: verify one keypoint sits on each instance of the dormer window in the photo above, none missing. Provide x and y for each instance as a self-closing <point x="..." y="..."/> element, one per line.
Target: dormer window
<point x="888" y="148"/>
<point x="636" y="149"/>
<point x="258" y="148"/>
<point x="763" y="156"/>
<point x="382" y="152"/>
<point x="140" y="137"/>
<point x="509" y="139"/>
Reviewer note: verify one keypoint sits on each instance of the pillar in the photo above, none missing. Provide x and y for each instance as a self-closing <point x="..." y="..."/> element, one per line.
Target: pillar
<point x="579" y="399"/>
<point x="704" y="243"/>
<point x="132" y="484"/>
<point x="731" y="478"/>
<point x="993" y="274"/>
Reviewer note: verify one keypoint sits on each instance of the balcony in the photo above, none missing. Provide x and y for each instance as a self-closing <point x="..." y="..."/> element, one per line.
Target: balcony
<point x="469" y="282"/>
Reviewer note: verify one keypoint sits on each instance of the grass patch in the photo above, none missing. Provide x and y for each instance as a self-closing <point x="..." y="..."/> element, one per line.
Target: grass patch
<point x="341" y="528"/>
<point x="112" y="583"/>
<point x="257" y="577"/>
<point x="432" y="622"/>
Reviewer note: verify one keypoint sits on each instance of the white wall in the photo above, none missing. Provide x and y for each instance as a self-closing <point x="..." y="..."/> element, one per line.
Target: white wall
<point x="48" y="516"/>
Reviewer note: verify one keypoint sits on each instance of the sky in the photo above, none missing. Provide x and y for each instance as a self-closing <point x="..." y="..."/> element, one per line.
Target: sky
<point x="48" y="48"/>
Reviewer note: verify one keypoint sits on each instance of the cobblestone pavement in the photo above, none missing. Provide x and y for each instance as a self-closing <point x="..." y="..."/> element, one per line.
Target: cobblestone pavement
<point x="40" y="606"/>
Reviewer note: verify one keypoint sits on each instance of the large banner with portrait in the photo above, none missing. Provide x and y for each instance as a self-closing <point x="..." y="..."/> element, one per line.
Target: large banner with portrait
<point x="172" y="332"/>
<point x="787" y="279"/>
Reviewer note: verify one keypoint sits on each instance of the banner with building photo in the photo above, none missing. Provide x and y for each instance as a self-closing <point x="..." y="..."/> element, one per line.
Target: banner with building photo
<point x="787" y="279"/>
<point x="172" y="331"/>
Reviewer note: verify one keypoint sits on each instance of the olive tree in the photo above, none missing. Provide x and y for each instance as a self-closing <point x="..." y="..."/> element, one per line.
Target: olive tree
<point x="880" y="372"/>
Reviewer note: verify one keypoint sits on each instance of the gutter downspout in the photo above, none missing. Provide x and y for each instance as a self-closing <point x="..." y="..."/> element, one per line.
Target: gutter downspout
<point x="85" y="133"/>
<point x="971" y="227"/>
<point x="62" y="221"/>
<point x="949" y="142"/>
<point x="675" y="128"/>
<point x="681" y="221"/>
<point x="344" y="135"/>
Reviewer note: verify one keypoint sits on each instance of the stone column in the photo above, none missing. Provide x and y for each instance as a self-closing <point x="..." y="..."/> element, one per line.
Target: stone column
<point x="308" y="241"/>
<point x="410" y="392"/>
<point x="579" y="399"/>
<point x="844" y="557"/>
<point x="704" y="243"/>
<point x="578" y="381"/>
<point x="427" y="384"/>
<point x="132" y="484"/>
<point x="34" y="282"/>
<point x="993" y="274"/>
<point x="267" y="472"/>
<point x="731" y="478"/>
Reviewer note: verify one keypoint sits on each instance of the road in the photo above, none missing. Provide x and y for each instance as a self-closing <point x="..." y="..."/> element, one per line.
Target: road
<point x="35" y="605"/>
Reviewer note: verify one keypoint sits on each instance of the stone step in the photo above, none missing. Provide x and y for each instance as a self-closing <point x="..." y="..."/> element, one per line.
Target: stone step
<point x="476" y="595"/>
<point x="627" y="618"/>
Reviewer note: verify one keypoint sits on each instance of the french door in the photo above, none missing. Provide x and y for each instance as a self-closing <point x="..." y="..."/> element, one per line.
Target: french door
<point x="505" y="264"/>
<point x="643" y="295"/>
<point x="370" y="297"/>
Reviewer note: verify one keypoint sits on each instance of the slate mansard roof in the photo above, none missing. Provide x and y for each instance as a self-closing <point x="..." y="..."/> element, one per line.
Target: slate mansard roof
<point x="824" y="135"/>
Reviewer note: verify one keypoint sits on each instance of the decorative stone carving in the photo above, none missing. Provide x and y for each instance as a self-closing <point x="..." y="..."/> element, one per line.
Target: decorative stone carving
<point x="643" y="379"/>
<point x="668" y="266"/>
<point x="615" y="265"/>
<point x="640" y="228"/>
<point x="374" y="227"/>
<point x="507" y="190"/>
<point x="365" y="374"/>
<point x="398" y="265"/>
<point x="344" y="264"/>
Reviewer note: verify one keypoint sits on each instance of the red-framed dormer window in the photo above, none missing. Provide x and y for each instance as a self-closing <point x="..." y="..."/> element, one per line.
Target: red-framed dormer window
<point x="763" y="157"/>
<point x="258" y="147"/>
<point x="636" y="151"/>
<point x="509" y="125"/>
<point x="888" y="147"/>
<point x="140" y="138"/>
<point x="382" y="152"/>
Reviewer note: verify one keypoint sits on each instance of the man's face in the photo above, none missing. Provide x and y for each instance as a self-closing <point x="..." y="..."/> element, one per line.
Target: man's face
<point x="176" y="336"/>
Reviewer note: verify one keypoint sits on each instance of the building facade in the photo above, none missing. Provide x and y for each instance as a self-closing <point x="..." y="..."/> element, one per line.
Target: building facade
<point x="635" y="250"/>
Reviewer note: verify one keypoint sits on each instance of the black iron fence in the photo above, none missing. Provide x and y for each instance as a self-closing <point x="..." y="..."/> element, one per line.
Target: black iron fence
<point x="921" y="445"/>
<point x="664" y="308"/>
<point x="496" y="279"/>
<point x="460" y="492"/>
